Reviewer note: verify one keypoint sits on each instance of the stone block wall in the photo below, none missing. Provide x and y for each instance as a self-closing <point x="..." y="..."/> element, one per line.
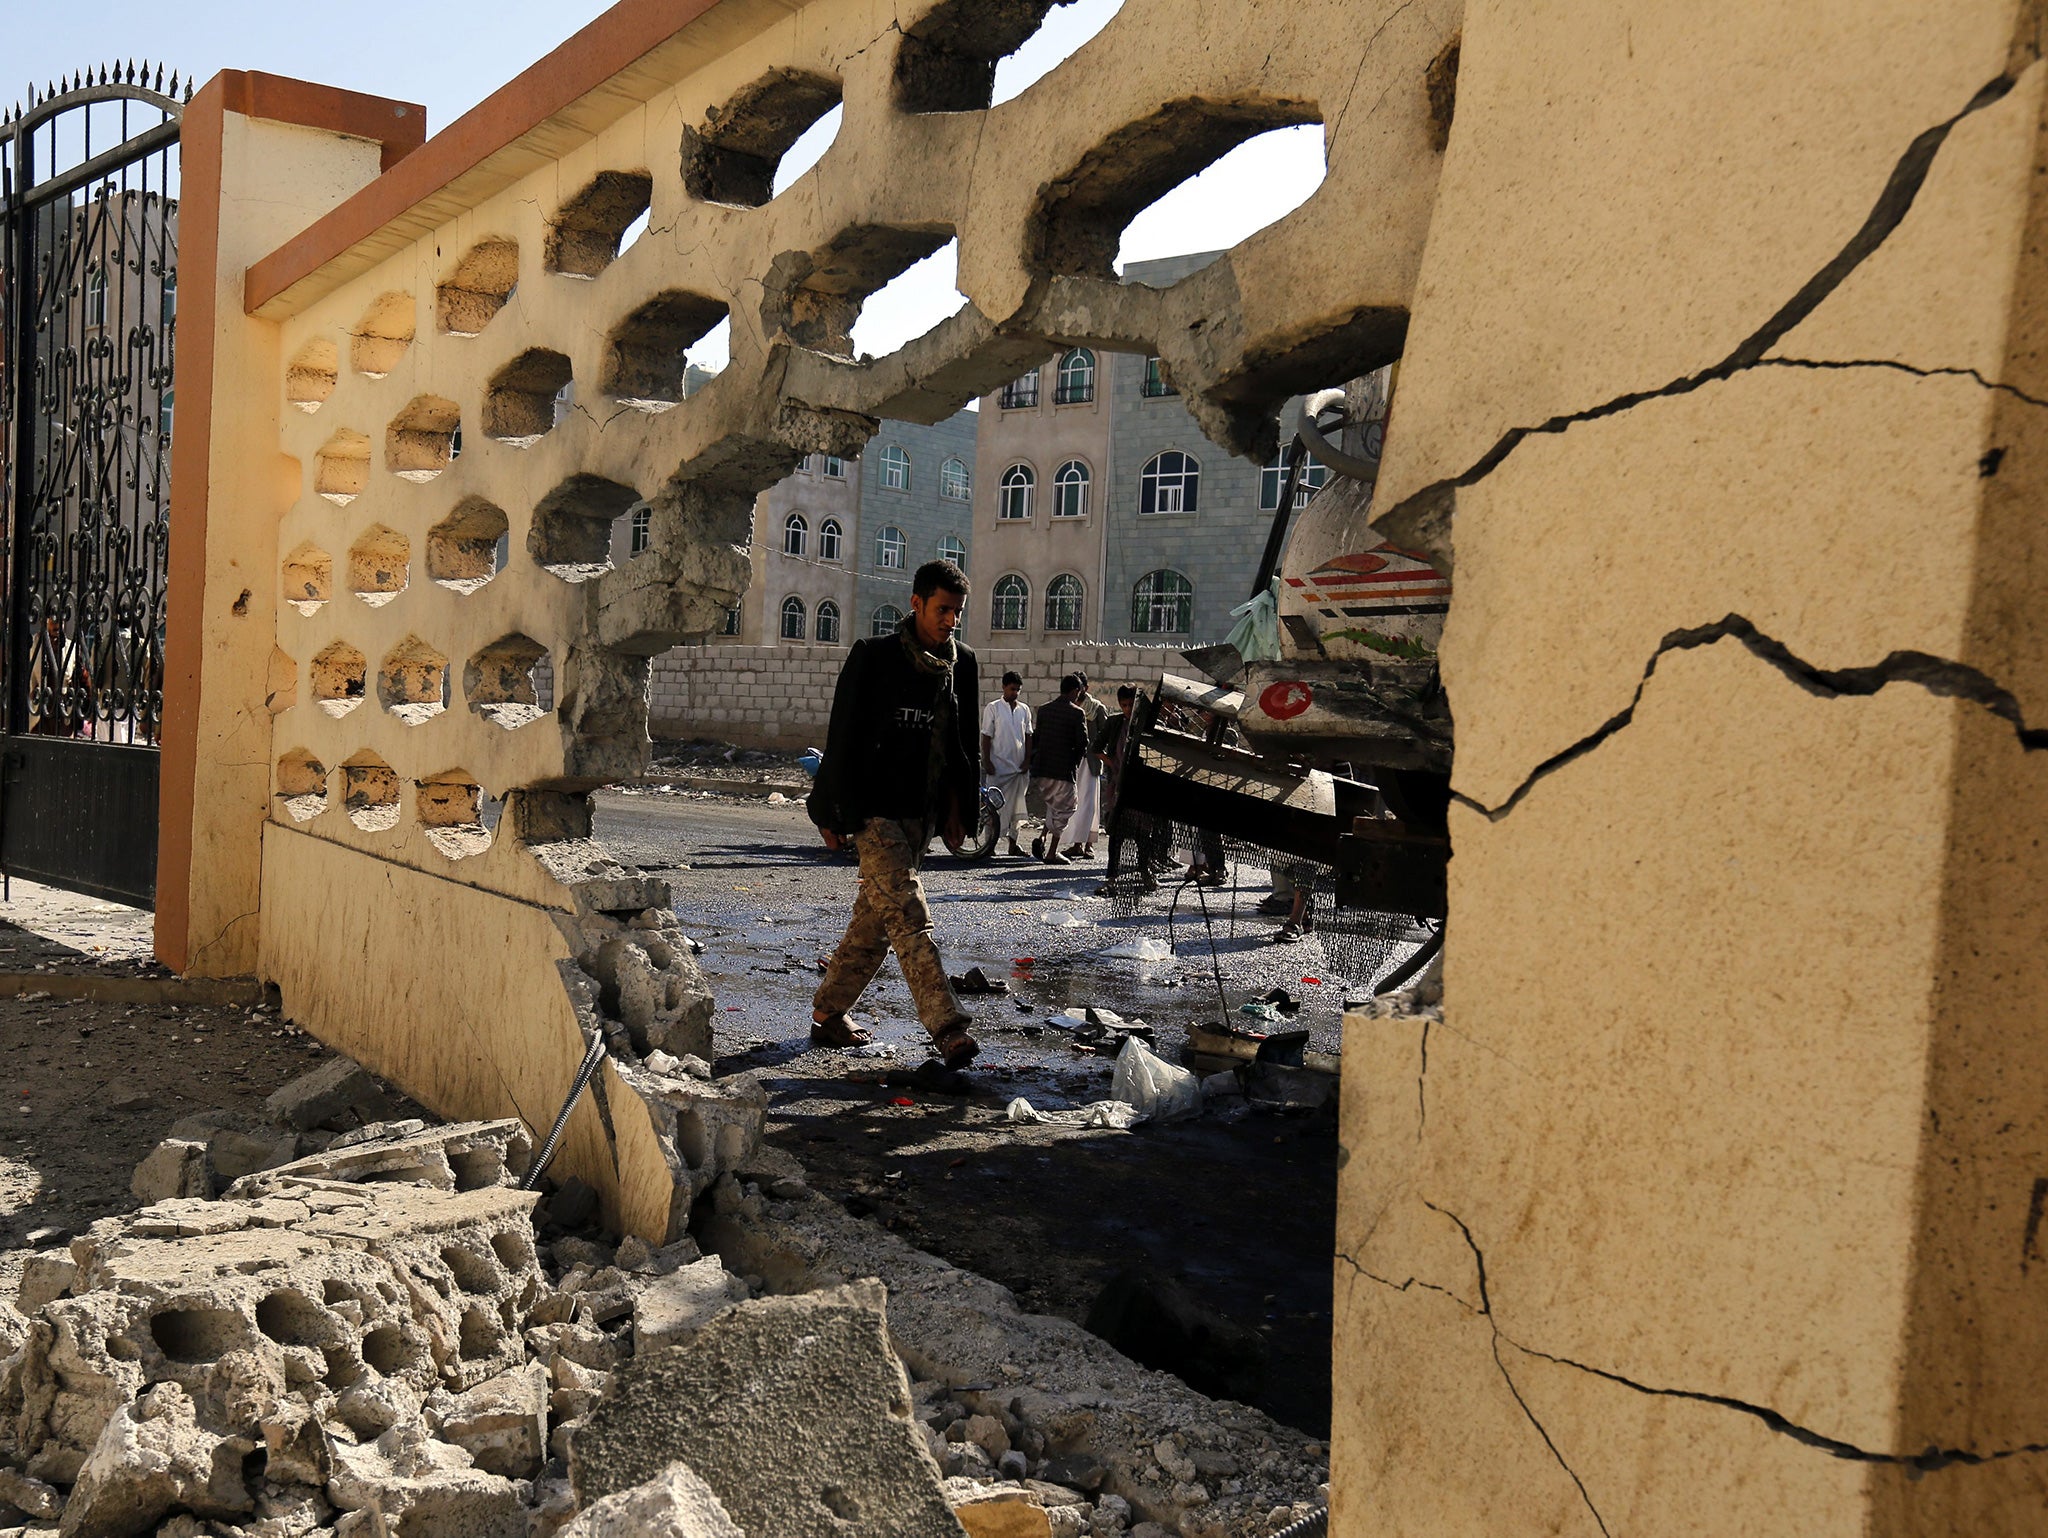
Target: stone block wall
<point x="781" y="696"/>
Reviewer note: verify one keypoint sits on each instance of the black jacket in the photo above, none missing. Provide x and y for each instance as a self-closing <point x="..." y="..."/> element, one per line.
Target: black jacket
<point x="1060" y="740"/>
<point x="868" y="769"/>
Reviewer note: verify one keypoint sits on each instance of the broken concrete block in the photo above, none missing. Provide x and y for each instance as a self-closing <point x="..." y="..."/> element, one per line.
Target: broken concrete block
<point x="331" y="1090"/>
<point x="28" y="1495"/>
<point x="999" y="1518"/>
<point x="235" y="1154"/>
<point x="648" y="981"/>
<point x="502" y="1423"/>
<point x="421" y="1486"/>
<point x="799" y="1419"/>
<point x="45" y="1277"/>
<point x="987" y="1433"/>
<point x="175" y="1167"/>
<point x="462" y="1156"/>
<point x="705" y="1130"/>
<point x="151" y="1456"/>
<point x="601" y="1296"/>
<point x="673" y="1504"/>
<point x="671" y="1310"/>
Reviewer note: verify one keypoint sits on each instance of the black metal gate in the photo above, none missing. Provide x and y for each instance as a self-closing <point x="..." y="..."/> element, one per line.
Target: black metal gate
<point x="88" y="297"/>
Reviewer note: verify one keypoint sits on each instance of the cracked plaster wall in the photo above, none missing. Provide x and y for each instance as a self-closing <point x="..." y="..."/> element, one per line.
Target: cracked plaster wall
<point x="434" y="948"/>
<point x="1713" y="1205"/>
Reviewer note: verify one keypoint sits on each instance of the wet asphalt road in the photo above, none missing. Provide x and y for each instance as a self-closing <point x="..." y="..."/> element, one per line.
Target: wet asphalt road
<point x="1238" y="1206"/>
<point x="768" y="902"/>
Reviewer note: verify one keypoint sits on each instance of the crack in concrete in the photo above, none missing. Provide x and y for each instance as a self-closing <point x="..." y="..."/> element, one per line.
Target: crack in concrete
<point x="1937" y="675"/>
<point x="1422" y="1083"/>
<point x="1364" y="56"/>
<point x="1434" y="504"/>
<point x="1902" y="367"/>
<point x="1486" y="1308"/>
<point x="1931" y="1461"/>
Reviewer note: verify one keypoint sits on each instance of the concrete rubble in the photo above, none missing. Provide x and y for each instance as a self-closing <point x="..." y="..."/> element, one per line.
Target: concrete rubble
<point x="369" y="1338"/>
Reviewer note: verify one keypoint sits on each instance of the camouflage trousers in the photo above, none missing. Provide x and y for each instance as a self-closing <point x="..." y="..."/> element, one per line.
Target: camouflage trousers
<point x="890" y="911"/>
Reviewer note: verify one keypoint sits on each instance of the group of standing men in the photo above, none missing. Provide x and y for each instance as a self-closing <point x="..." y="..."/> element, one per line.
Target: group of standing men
<point x="1064" y="751"/>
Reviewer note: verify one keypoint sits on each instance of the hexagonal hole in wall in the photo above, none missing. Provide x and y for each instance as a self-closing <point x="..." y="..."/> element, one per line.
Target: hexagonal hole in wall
<point x="816" y="296"/>
<point x="302" y="785"/>
<point x="1080" y="223"/>
<point x="583" y="238"/>
<point x="465" y="549"/>
<point x="309" y="378"/>
<point x="377" y="565"/>
<point x="339" y="676"/>
<point x="341" y="467"/>
<point x="412" y="681"/>
<point x="646" y="358"/>
<point x="381" y="337"/>
<point x="450" y="810"/>
<point x="308" y="578"/>
<point x="967" y="55"/>
<point x="571" y="534"/>
<point x="735" y="154"/>
<point x="520" y="404"/>
<point x="369" y="792"/>
<point x="478" y="287"/>
<point x="499" y="681"/>
<point x="419" y="443"/>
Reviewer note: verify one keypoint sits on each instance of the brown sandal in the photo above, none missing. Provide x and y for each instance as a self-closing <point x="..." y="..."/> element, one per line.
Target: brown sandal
<point x="838" y="1031"/>
<point x="955" y="1047"/>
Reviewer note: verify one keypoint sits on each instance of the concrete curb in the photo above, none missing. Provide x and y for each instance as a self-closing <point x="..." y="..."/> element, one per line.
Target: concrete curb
<point x="760" y="789"/>
<point x="243" y="992"/>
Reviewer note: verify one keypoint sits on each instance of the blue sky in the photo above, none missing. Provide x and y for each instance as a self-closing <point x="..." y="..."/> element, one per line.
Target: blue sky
<point x="385" y="47"/>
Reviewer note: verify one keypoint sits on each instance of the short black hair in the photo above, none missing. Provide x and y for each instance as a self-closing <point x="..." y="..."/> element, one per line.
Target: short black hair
<point x="1070" y="683"/>
<point x="1082" y="676"/>
<point x="1013" y="678"/>
<point x="934" y="575"/>
<point x="1125" y="692"/>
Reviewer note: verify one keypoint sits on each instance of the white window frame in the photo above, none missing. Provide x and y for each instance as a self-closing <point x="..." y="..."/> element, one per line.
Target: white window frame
<point x="885" y="620"/>
<point x="1010" y="590"/>
<point x="640" y="530"/>
<point x="1077" y="483"/>
<point x="956" y="484"/>
<point x="1170" y="491"/>
<point x="1314" y="473"/>
<point x="1149" y="603"/>
<point x="1074" y="599"/>
<point x="889" y="548"/>
<point x="831" y="540"/>
<point x="1075" y="379"/>
<point x="793" y="610"/>
<point x="796" y="531"/>
<point x="895" y="468"/>
<point x="953" y="548"/>
<point x="826" y="627"/>
<point x="1013" y="494"/>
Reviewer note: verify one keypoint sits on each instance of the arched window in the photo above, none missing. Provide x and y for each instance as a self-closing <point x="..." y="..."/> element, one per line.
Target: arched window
<point x="640" y="533"/>
<point x="96" y="296"/>
<point x="1157" y="381"/>
<point x="1077" y="378"/>
<point x="954" y="481"/>
<point x="895" y="469"/>
<point x="1021" y="392"/>
<point x="828" y="622"/>
<point x="163" y="413"/>
<point x="1070" y="490"/>
<point x="732" y="621"/>
<point x="889" y="548"/>
<point x="1163" y="603"/>
<point x="952" y="548"/>
<point x="1169" y="483"/>
<point x="1063" y="603"/>
<point x="792" y="618"/>
<point x="793" y="531"/>
<point x="1310" y="481"/>
<point x="886" y="619"/>
<point x="828" y="540"/>
<point x="1014" y="498"/>
<point x="1010" y="603"/>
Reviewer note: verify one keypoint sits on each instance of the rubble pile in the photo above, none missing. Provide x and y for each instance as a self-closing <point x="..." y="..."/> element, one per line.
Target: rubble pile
<point x="368" y="1338"/>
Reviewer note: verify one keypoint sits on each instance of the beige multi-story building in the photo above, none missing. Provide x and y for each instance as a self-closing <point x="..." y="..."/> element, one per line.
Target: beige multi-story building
<point x="806" y="544"/>
<point x="1041" y="465"/>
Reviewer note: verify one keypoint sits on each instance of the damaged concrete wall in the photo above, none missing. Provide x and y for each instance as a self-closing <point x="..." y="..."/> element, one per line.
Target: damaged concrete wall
<point x="474" y="375"/>
<point x="1711" y="1205"/>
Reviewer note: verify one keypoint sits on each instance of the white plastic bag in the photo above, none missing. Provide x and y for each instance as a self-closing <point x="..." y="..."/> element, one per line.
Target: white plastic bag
<point x="1112" y="1115"/>
<point x="1144" y="948"/>
<point x="1257" y="632"/>
<point x="1158" y="1090"/>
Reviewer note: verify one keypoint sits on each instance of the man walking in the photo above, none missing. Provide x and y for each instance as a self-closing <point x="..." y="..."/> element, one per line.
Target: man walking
<point x="1059" y="742"/>
<point x="899" y="764"/>
<point x="1108" y="748"/>
<point x="1088" y="780"/>
<point x="1006" y="752"/>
